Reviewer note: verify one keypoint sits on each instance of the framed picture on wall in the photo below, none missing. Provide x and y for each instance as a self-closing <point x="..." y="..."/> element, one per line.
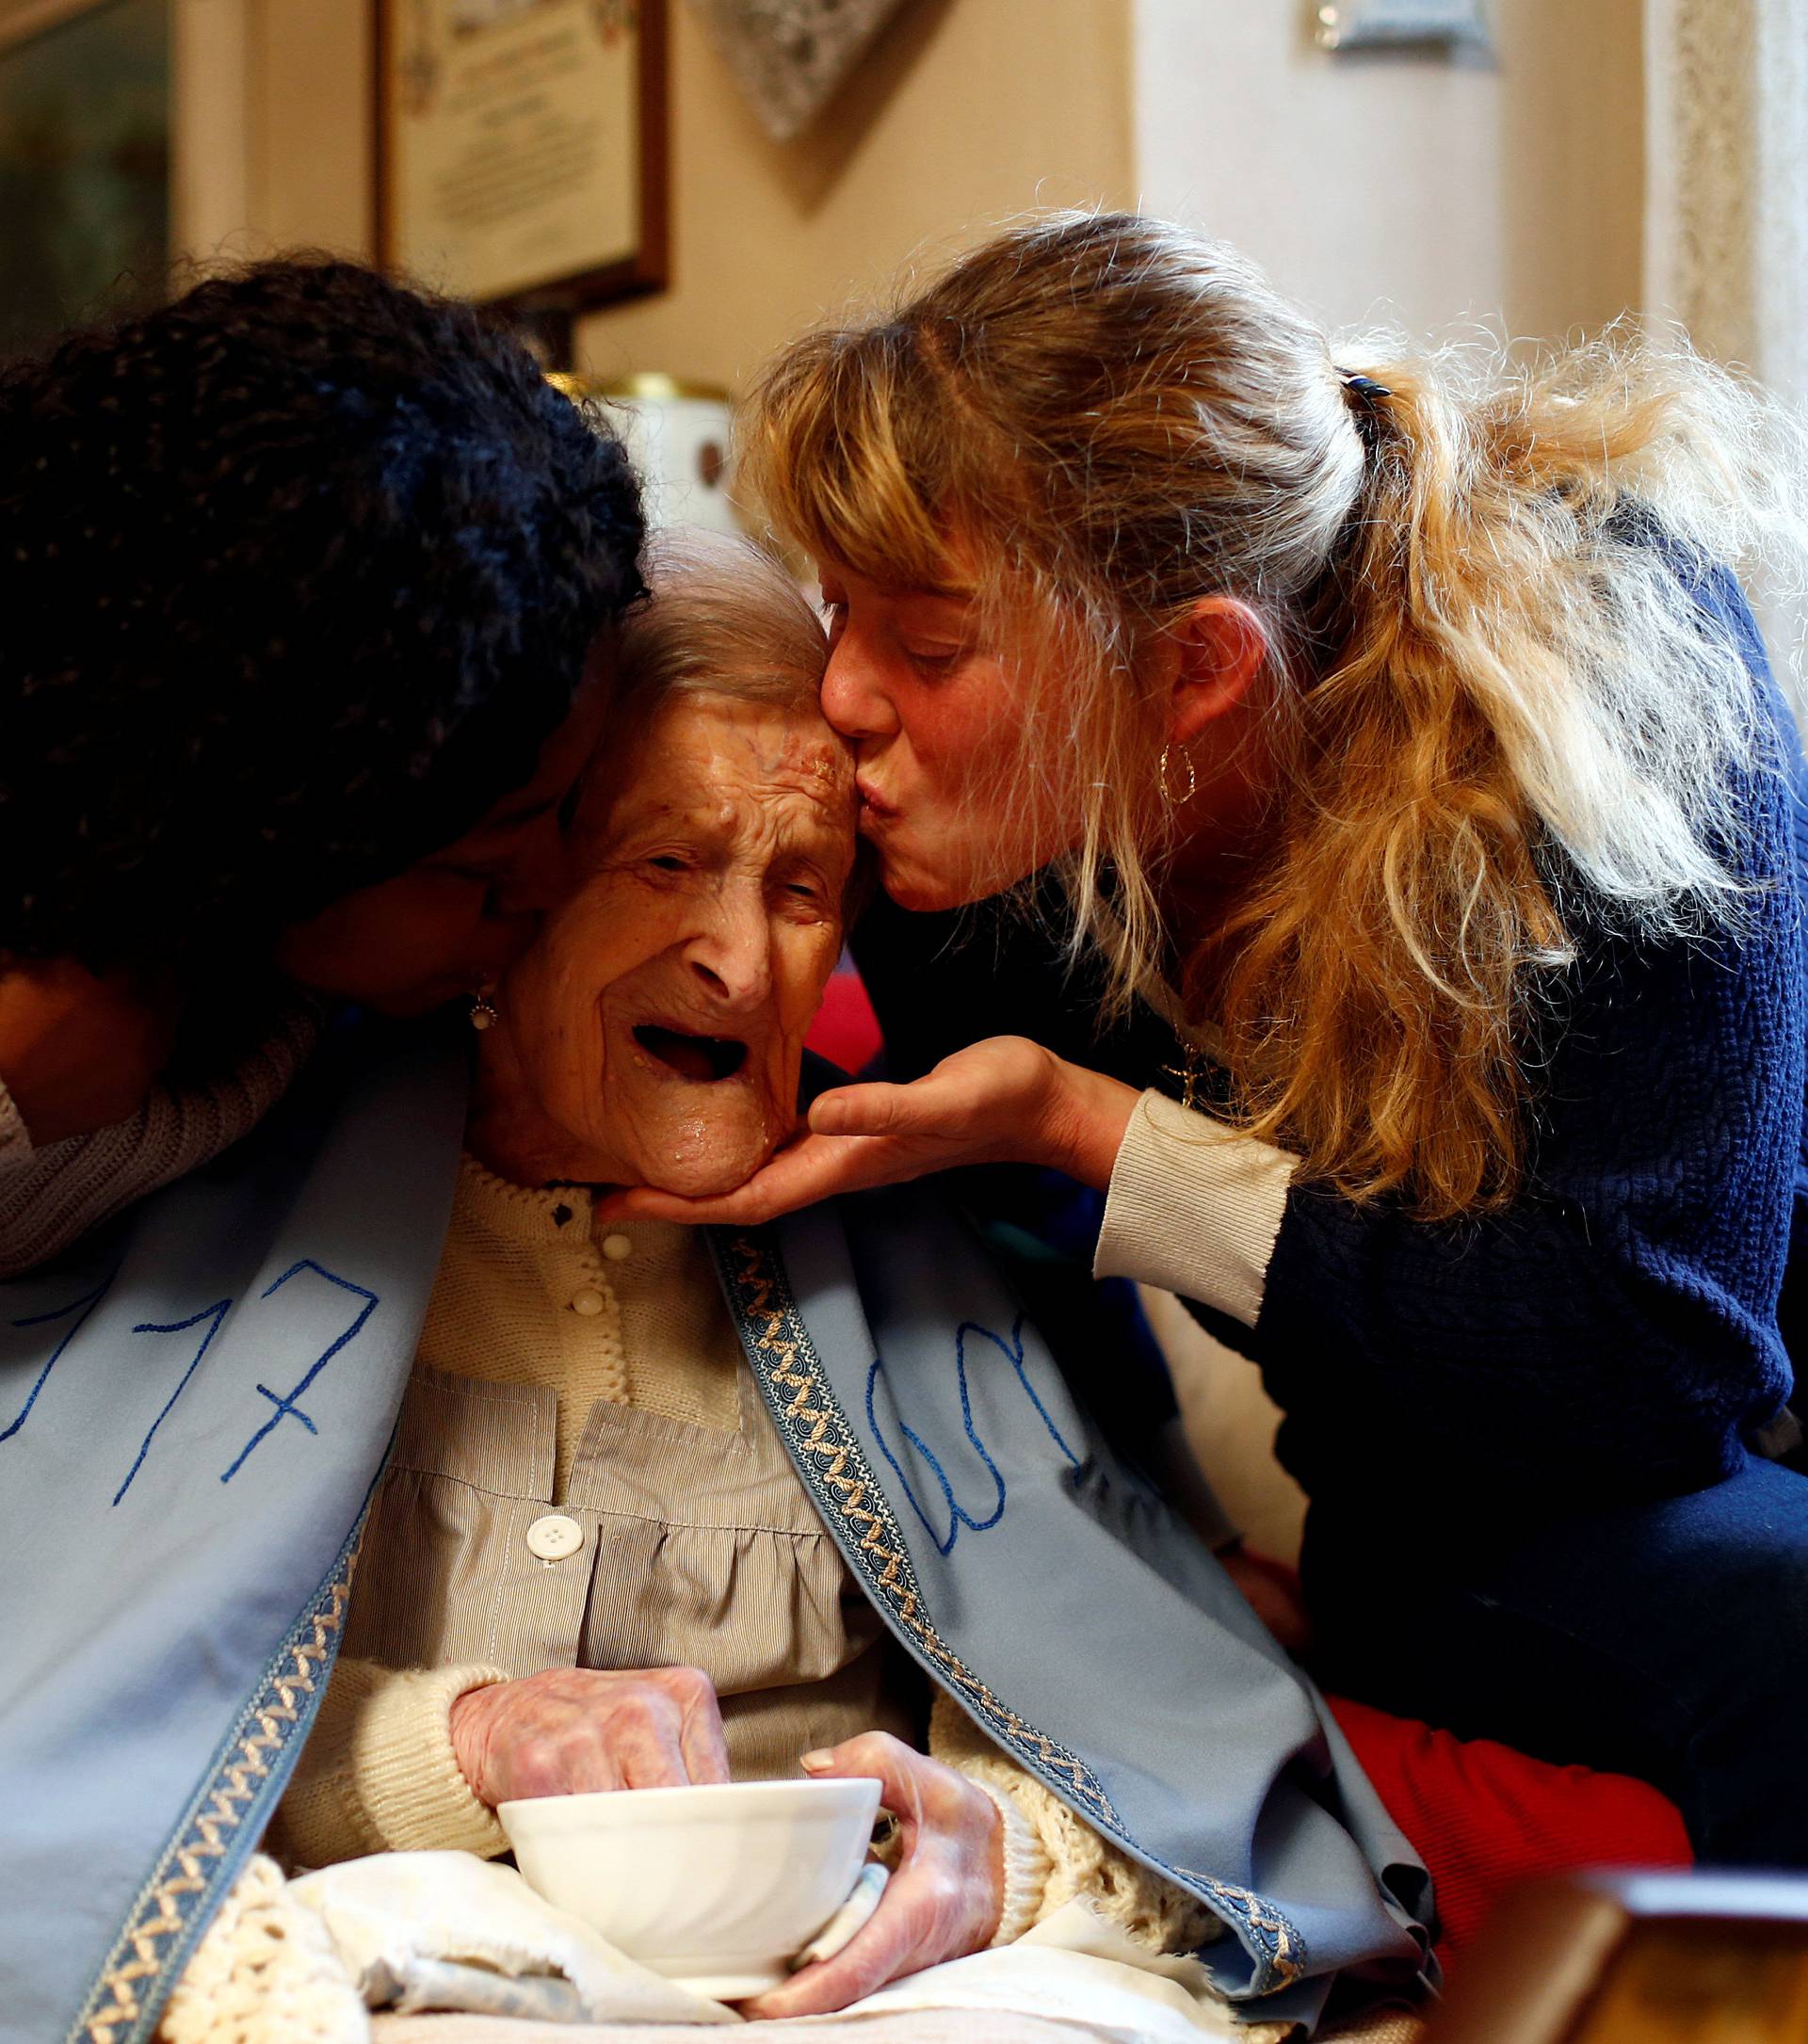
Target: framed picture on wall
<point x="522" y="152"/>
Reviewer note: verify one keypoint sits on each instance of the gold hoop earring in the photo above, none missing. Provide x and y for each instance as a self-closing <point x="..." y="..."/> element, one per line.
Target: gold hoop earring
<point x="483" y="1010"/>
<point x="1168" y="795"/>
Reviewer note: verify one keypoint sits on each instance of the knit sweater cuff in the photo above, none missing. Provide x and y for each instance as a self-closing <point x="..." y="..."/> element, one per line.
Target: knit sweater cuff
<point x="52" y="1194"/>
<point x="15" y="1138"/>
<point x="385" y="1776"/>
<point x="408" y="1772"/>
<point x="1026" y="1867"/>
<point x="1193" y="1208"/>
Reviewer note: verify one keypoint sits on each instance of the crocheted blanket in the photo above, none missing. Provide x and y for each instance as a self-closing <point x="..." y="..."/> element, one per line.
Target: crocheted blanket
<point x="269" y="1973"/>
<point x="919" y="2026"/>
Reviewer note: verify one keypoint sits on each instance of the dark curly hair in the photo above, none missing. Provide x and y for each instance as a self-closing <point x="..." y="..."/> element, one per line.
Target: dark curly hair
<point x="297" y="574"/>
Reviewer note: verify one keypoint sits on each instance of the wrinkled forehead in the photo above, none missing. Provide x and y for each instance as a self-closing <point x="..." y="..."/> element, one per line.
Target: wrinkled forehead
<point x="731" y="768"/>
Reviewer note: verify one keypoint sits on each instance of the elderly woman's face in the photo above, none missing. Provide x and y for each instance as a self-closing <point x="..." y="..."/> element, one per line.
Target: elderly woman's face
<point x="656" y="1027"/>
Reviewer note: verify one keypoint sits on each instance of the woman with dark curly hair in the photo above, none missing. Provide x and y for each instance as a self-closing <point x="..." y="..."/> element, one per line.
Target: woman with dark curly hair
<point x="302" y="574"/>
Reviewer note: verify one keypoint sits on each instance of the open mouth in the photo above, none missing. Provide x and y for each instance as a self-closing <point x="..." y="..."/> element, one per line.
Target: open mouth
<point x="704" y="1059"/>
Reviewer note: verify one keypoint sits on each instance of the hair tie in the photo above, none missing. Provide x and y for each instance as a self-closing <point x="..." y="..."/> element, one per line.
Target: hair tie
<point x="1363" y="395"/>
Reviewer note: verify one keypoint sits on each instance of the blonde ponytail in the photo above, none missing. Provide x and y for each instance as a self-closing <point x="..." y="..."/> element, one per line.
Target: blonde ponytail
<point x="1497" y="709"/>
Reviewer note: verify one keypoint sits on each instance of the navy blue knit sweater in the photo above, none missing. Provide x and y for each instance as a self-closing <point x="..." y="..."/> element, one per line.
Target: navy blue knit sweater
<point x="1614" y="1333"/>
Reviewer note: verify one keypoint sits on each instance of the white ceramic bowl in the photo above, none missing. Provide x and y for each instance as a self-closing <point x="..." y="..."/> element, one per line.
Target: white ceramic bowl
<point x="716" y="1886"/>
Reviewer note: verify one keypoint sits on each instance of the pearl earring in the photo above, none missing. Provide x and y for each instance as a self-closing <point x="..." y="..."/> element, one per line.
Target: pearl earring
<point x="483" y="1010"/>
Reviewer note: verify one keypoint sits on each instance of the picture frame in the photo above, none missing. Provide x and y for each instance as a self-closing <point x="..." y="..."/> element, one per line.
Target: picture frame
<point x="522" y="152"/>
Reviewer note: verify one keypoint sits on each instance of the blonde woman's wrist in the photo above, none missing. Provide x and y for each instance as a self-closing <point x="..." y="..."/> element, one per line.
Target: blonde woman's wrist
<point x="1087" y="1119"/>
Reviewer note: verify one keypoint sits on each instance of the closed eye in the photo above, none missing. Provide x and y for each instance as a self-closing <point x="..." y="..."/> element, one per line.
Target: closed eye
<point x="935" y="658"/>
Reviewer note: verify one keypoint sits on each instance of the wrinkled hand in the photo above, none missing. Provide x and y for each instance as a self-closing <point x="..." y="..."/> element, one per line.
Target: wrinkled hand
<point x="943" y="1902"/>
<point x="570" y="1730"/>
<point x="1004" y="1101"/>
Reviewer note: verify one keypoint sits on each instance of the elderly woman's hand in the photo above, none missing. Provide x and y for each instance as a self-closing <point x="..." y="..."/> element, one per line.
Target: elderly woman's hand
<point x="570" y="1730"/>
<point x="944" y="1901"/>
<point x="1006" y="1100"/>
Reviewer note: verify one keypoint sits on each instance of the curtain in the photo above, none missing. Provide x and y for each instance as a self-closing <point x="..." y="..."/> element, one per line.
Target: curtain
<point x="1726" y="180"/>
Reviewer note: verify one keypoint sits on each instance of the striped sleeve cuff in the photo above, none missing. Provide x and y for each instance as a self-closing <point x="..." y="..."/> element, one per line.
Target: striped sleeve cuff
<point x="1193" y="1208"/>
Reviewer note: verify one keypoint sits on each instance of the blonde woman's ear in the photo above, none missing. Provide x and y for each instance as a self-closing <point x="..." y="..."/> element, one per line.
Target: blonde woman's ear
<point x="1220" y="652"/>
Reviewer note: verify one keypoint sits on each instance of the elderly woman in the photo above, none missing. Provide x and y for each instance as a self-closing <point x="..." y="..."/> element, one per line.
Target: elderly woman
<point x="593" y="1562"/>
<point x="665" y="1506"/>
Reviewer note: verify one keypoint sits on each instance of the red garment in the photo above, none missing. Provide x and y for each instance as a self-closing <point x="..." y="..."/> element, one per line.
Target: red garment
<point x="1484" y="1817"/>
<point x="845" y="1031"/>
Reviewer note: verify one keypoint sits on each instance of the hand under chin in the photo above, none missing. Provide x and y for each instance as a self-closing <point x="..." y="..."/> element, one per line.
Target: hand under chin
<point x="700" y="1180"/>
<point x="706" y="1154"/>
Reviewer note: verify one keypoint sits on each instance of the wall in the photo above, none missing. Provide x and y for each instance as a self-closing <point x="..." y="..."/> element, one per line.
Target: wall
<point x="1386" y="186"/>
<point x="964" y="111"/>
<point x="1366" y="183"/>
<point x="1377" y="185"/>
<point x="311" y="169"/>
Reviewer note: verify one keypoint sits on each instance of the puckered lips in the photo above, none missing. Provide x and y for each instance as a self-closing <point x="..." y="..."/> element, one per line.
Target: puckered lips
<point x="704" y="1061"/>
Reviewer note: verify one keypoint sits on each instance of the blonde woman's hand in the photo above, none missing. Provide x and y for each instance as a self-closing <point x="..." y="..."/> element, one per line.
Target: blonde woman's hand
<point x="944" y="1900"/>
<point x="1006" y="1100"/>
<point x="568" y="1731"/>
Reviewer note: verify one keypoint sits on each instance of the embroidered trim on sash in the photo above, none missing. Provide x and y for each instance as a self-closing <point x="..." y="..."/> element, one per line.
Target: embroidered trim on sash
<point x="176" y="1902"/>
<point x="841" y="1480"/>
<point x="1273" y="1934"/>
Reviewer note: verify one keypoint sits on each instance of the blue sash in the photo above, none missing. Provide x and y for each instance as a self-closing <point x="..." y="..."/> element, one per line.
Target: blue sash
<point x="194" y="1404"/>
<point x="1049" y="1593"/>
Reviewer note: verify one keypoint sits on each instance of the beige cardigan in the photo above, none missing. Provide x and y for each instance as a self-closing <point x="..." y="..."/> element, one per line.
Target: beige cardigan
<point x="534" y="1297"/>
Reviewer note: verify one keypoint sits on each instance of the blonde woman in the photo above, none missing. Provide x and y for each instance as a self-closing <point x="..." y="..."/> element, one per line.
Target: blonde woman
<point x="1421" y="823"/>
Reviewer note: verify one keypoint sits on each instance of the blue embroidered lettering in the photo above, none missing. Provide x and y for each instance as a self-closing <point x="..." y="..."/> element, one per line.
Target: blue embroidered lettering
<point x="218" y="1312"/>
<point x="83" y="1306"/>
<point x="957" y="1517"/>
<point x="284" y="1402"/>
<point x="1012" y="1352"/>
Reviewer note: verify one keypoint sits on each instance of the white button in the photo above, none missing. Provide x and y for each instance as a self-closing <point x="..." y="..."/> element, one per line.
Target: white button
<point x="617" y="1247"/>
<point x="588" y="1302"/>
<point x="554" y="1536"/>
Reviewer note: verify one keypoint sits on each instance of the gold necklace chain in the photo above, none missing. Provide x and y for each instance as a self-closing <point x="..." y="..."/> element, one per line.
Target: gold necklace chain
<point x="1192" y="1074"/>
